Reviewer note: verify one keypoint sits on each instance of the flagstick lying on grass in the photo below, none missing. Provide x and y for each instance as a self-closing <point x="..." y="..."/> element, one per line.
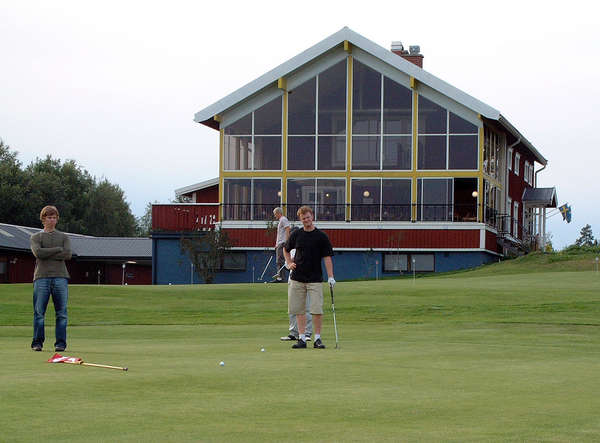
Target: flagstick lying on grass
<point x="57" y="358"/>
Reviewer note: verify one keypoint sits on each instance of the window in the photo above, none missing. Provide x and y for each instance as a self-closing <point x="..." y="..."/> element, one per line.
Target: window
<point x="236" y="199"/>
<point x="423" y="262"/>
<point x="326" y="196"/>
<point x="254" y="141"/>
<point x="516" y="219"/>
<point x="396" y="199"/>
<point x="317" y="122"/>
<point x="528" y="172"/>
<point x="394" y="262"/>
<point x="381" y="199"/>
<point x="250" y="199"/>
<point x="492" y="143"/>
<point x="381" y="122"/>
<point x="445" y="140"/>
<point x="366" y="199"/>
<point x="510" y="159"/>
<point x="508" y="224"/>
<point x="517" y="163"/>
<point x="434" y="199"/>
<point x="234" y="261"/>
<point x="331" y="199"/>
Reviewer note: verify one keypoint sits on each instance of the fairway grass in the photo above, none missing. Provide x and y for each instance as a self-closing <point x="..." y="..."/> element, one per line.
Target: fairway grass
<point x="447" y="358"/>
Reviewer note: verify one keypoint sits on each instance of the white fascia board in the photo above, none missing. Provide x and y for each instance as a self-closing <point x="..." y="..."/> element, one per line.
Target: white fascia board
<point x="197" y="186"/>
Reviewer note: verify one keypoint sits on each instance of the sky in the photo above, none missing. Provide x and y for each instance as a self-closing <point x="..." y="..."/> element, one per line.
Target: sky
<point x="114" y="85"/>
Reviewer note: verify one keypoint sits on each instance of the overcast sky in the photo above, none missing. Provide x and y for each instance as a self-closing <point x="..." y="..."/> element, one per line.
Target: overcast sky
<point x="114" y="85"/>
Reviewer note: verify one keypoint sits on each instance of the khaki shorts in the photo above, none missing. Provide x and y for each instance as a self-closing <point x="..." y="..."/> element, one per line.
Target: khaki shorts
<point x="297" y="292"/>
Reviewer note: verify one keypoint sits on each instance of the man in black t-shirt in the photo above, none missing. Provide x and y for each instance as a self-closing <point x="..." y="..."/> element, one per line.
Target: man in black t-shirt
<point x="311" y="246"/>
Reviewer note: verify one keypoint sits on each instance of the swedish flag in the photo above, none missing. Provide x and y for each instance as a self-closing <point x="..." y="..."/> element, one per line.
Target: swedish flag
<point x="565" y="210"/>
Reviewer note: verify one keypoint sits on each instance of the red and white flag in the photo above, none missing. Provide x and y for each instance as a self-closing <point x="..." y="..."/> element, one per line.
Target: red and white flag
<point x="57" y="358"/>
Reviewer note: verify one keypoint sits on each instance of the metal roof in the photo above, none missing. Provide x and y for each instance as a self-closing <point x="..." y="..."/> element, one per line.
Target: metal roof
<point x="15" y="237"/>
<point x="205" y="116"/>
<point x="540" y="197"/>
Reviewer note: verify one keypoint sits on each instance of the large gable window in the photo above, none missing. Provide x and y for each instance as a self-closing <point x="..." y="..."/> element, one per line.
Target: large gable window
<point x="317" y="122"/>
<point x="446" y="141"/>
<point x="254" y="141"/>
<point x="381" y="121"/>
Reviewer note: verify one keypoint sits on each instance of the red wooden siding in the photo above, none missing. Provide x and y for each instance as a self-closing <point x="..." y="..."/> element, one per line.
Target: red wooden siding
<point x="182" y="217"/>
<point x="491" y="241"/>
<point x="372" y="238"/>
<point x="206" y="195"/>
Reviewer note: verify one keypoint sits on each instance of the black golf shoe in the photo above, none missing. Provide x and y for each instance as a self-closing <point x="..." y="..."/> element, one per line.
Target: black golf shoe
<point x="36" y="348"/>
<point x="59" y="348"/>
<point x="301" y="344"/>
<point x="318" y="344"/>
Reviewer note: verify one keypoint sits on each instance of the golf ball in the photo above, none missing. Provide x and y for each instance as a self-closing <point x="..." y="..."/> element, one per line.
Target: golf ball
<point x="262" y="349"/>
<point x="222" y="363"/>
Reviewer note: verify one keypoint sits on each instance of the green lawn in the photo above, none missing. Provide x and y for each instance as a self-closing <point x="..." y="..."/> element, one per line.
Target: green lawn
<point x="475" y="356"/>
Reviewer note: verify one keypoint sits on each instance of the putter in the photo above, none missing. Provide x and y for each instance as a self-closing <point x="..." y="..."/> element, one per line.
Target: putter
<point x="266" y="267"/>
<point x="334" y="322"/>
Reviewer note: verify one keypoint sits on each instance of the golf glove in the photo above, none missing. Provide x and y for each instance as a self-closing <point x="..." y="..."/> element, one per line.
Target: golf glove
<point x="331" y="281"/>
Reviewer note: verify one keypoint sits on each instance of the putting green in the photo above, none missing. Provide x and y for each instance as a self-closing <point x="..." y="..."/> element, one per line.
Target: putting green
<point x="445" y="358"/>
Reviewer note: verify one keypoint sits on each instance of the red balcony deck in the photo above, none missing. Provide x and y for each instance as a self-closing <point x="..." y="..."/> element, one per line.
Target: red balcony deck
<point x="180" y="217"/>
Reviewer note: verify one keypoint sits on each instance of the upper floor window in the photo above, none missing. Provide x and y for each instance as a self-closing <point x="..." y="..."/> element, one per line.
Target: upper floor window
<point x="381" y="121"/>
<point x="254" y="141"/>
<point x="446" y="141"/>
<point x="510" y="159"/>
<point x="317" y="122"/>
<point x="517" y="163"/>
<point x="528" y="172"/>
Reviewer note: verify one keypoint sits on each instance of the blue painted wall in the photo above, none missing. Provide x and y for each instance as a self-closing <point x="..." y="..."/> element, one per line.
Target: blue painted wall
<point x="170" y="265"/>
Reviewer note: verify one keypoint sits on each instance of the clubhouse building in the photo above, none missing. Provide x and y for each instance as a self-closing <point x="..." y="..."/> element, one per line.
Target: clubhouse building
<point x="404" y="171"/>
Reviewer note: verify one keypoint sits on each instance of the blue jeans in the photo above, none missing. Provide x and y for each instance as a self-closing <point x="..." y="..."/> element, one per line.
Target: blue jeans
<point x="42" y="289"/>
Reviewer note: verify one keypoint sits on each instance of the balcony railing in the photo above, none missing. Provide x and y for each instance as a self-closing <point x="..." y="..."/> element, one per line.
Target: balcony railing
<point x="360" y="212"/>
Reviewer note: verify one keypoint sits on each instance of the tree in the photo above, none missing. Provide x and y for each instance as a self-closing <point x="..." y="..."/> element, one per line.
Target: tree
<point x="64" y="185"/>
<point x="144" y="223"/>
<point x="586" y="237"/>
<point x="206" y="250"/>
<point x="86" y="206"/>
<point x="13" y="204"/>
<point x="108" y="214"/>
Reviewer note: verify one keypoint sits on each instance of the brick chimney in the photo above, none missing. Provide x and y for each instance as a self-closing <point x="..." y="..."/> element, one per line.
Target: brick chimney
<point x="413" y="54"/>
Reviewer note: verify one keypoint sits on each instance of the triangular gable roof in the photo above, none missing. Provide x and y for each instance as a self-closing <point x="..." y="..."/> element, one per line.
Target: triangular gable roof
<point x="205" y="116"/>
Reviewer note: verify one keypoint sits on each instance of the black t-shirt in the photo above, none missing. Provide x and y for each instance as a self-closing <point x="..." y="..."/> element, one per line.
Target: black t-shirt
<point x="311" y="247"/>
